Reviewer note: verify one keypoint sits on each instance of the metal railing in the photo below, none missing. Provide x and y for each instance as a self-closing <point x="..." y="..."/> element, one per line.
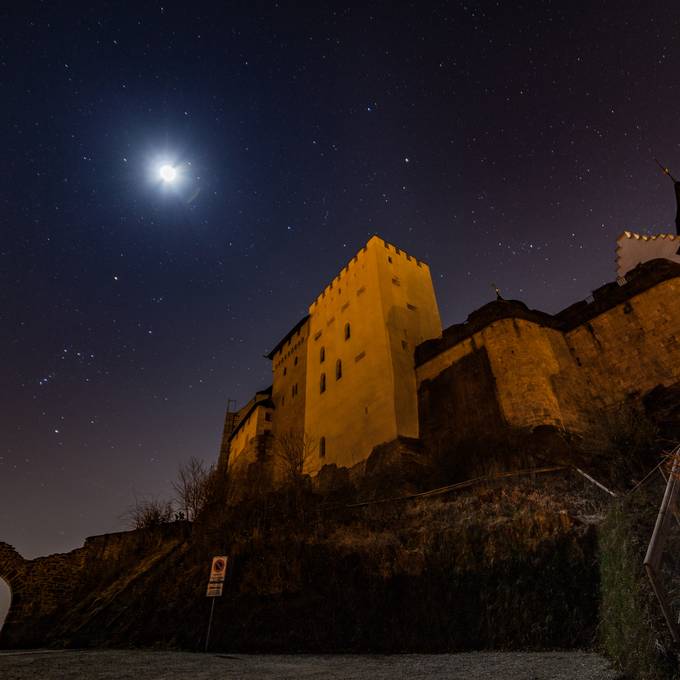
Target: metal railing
<point x="657" y="543"/>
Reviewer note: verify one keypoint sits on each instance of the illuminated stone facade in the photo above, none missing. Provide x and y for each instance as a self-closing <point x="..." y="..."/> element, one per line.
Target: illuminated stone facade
<point x="530" y="368"/>
<point x="364" y="328"/>
<point x="633" y="249"/>
<point x="370" y="362"/>
<point x="344" y="375"/>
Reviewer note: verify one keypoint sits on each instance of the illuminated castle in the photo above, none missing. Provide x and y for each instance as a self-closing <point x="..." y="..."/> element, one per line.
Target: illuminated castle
<point x="344" y="374"/>
<point x="370" y="363"/>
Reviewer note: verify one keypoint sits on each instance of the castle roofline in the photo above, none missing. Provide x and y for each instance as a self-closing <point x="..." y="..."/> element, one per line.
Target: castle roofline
<point x="375" y="240"/>
<point x="264" y="403"/>
<point x="646" y="237"/>
<point x="644" y="276"/>
<point x="287" y="337"/>
<point x="626" y="236"/>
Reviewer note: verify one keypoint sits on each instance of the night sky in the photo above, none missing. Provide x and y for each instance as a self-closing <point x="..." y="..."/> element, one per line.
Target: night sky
<point x="500" y="142"/>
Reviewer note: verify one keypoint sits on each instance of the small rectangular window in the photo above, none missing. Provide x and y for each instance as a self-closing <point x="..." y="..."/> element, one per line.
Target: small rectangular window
<point x="411" y="307"/>
<point x="361" y="290"/>
<point x="396" y="281"/>
<point x="344" y="307"/>
<point x="317" y="335"/>
<point x="404" y="344"/>
<point x="360" y="356"/>
<point x="268" y="417"/>
<point x="330" y="321"/>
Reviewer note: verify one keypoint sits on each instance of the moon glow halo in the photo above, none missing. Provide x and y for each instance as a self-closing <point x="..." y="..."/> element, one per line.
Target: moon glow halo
<point x="168" y="173"/>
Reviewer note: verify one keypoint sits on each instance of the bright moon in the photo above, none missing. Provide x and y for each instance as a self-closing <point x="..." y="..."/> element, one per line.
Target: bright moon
<point x="168" y="173"/>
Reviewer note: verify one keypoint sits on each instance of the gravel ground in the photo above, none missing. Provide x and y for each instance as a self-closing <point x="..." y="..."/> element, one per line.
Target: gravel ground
<point x="144" y="665"/>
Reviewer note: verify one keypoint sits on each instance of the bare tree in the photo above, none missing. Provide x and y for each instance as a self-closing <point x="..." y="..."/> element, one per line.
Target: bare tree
<point x="293" y="451"/>
<point x="148" y="513"/>
<point x="192" y="486"/>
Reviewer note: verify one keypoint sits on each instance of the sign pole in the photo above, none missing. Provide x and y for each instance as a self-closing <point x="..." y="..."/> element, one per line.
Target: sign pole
<point x="207" y="636"/>
<point x="218" y="571"/>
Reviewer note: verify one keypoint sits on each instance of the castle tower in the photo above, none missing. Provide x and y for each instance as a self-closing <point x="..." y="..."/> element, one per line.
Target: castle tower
<point x="289" y="373"/>
<point x="633" y="249"/>
<point x="363" y="329"/>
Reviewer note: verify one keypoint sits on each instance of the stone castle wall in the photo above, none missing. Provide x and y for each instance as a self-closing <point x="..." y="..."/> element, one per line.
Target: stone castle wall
<point x="360" y="370"/>
<point x="558" y="370"/>
<point x="44" y="587"/>
<point x="344" y="375"/>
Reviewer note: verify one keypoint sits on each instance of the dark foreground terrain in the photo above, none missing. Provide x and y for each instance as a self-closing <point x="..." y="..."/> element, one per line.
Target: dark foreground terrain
<point x="141" y="665"/>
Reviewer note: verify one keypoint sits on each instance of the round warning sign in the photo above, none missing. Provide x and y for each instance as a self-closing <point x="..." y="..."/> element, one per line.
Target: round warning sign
<point x="219" y="568"/>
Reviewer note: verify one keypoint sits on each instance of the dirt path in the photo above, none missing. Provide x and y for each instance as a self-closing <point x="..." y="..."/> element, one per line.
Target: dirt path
<point x="142" y="665"/>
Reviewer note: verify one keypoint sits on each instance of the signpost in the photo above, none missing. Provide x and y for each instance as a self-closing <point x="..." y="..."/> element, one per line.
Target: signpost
<point x="218" y="571"/>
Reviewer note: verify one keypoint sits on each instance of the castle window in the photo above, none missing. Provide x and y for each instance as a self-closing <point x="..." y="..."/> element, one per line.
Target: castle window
<point x="361" y="290"/>
<point x="360" y="356"/>
<point x="338" y="369"/>
<point x="268" y="417"/>
<point x="389" y="259"/>
<point x="295" y="362"/>
<point x="322" y="383"/>
<point x="396" y="281"/>
<point x="322" y="447"/>
<point x="285" y="370"/>
<point x="322" y="355"/>
<point x="344" y="307"/>
<point x="411" y="307"/>
<point x="283" y="400"/>
<point x="404" y="344"/>
<point x="317" y="336"/>
<point x="347" y="331"/>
